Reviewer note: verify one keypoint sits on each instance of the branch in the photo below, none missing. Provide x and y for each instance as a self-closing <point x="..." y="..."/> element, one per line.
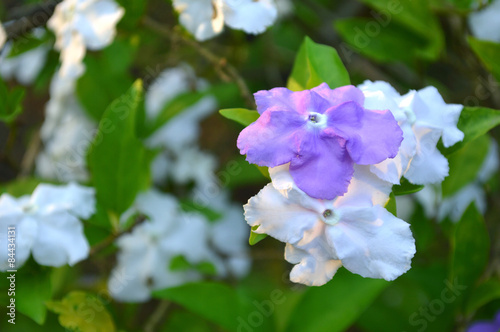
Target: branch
<point x="216" y="61"/>
<point x="29" y="17"/>
<point x="156" y="316"/>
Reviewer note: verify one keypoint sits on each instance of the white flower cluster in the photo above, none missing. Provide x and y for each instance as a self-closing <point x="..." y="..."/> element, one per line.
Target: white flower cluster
<point x="355" y="230"/>
<point x="148" y="254"/>
<point x="47" y="225"/>
<point x="206" y="18"/>
<point x="485" y="24"/>
<point x="454" y="206"/>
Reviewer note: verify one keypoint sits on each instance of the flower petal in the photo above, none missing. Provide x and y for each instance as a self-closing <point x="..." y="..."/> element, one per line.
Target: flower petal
<point x="204" y="19"/>
<point x="373" y="243"/>
<point x="340" y="95"/>
<point x="249" y="15"/>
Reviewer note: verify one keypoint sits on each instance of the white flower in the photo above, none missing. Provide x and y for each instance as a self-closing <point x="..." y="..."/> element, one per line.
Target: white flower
<point x="47" y="224"/>
<point x="146" y="254"/>
<point x="183" y="129"/>
<point x="485" y="24"/>
<point x="82" y="24"/>
<point x="3" y="36"/>
<point x="26" y="66"/>
<point x="424" y="118"/>
<point x="206" y="18"/>
<point x="353" y="230"/>
<point x="66" y="133"/>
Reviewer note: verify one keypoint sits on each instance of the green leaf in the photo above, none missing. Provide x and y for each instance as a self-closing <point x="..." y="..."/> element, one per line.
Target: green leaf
<point x="28" y="43"/>
<point x="465" y="165"/>
<point x="474" y="122"/>
<point x="220" y="304"/>
<point x="336" y="305"/>
<point x="82" y="312"/>
<point x="242" y="116"/>
<point x="484" y="293"/>
<point x="211" y="215"/>
<point x="21" y="187"/>
<point x="180" y="263"/>
<point x="470" y="249"/>
<point x="406" y="187"/>
<point x="116" y="156"/>
<point x="315" y="64"/>
<point x="488" y="52"/>
<point x="391" y="205"/>
<point x="10" y="102"/>
<point x="33" y="289"/>
<point x="255" y="237"/>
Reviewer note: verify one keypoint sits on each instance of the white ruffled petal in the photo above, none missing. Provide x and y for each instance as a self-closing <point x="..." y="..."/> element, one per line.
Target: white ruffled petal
<point x="373" y="243"/>
<point x="455" y="206"/>
<point x="203" y="18"/>
<point x="249" y="15"/>
<point x="60" y="240"/>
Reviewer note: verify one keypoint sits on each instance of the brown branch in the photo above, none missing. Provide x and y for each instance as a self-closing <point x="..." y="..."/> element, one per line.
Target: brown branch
<point x="29" y="17"/>
<point x="29" y="157"/>
<point x="111" y="238"/>
<point x="156" y="316"/>
<point x="225" y="68"/>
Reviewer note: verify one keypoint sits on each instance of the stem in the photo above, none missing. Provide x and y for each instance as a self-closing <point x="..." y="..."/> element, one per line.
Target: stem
<point x="157" y="316"/>
<point x="225" y="68"/>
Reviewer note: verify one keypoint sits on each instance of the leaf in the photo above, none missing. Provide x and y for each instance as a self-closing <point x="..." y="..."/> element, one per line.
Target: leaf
<point x="391" y="205"/>
<point x="315" y="64"/>
<point x="470" y="249"/>
<point x="21" y="187"/>
<point x="116" y="156"/>
<point x="32" y="291"/>
<point x="83" y="312"/>
<point x="27" y="43"/>
<point x="220" y="304"/>
<point x="465" y="165"/>
<point x="488" y="52"/>
<point x="406" y="187"/>
<point x="211" y="215"/>
<point x="484" y="293"/>
<point x="474" y="122"/>
<point x="10" y="102"/>
<point x="255" y="237"/>
<point x="336" y="305"/>
<point x="242" y="116"/>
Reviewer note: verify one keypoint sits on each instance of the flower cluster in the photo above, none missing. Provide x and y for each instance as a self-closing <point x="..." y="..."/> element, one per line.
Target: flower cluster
<point x="206" y="18"/>
<point x="173" y="247"/>
<point x="47" y="224"/>
<point x="334" y="156"/>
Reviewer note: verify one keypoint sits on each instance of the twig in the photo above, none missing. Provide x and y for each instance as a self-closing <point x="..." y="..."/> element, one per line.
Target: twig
<point x="156" y="316"/>
<point x="29" y="18"/>
<point x="30" y="154"/>
<point x="111" y="238"/>
<point x="215" y="60"/>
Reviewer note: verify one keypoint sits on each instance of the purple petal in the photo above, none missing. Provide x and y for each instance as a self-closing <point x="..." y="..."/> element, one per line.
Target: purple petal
<point x="282" y="99"/>
<point x="274" y="139"/>
<point x="483" y="327"/>
<point x="372" y="136"/>
<point x="340" y="95"/>
<point x="326" y="170"/>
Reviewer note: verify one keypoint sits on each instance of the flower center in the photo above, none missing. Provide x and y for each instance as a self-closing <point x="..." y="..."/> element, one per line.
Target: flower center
<point x="317" y="119"/>
<point x="330" y="217"/>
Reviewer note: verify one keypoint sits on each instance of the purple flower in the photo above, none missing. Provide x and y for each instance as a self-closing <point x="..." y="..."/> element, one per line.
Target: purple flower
<point x="321" y="133"/>
<point x="486" y="326"/>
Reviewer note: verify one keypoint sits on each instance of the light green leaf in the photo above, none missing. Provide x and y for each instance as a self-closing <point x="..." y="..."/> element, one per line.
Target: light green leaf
<point x="484" y="293"/>
<point x="242" y="116"/>
<point x="116" y="156"/>
<point x="256" y="237"/>
<point x="488" y="52"/>
<point x="82" y="312"/>
<point x="315" y="64"/>
<point x="465" y="165"/>
<point x="470" y="249"/>
<point x="336" y="305"/>
<point x="391" y="205"/>
<point x="406" y="187"/>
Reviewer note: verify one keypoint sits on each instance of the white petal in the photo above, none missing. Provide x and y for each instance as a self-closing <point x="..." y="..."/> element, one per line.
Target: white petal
<point x="74" y="198"/>
<point x="455" y="206"/>
<point x="249" y="15"/>
<point x="96" y="23"/>
<point x="484" y="24"/>
<point x="428" y="165"/>
<point x="229" y="234"/>
<point x="373" y="243"/>
<point x="430" y="199"/>
<point x="309" y="270"/>
<point x="284" y="218"/>
<point x="203" y="18"/>
<point x="60" y="240"/>
<point x="3" y="36"/>
<point x="490" y="163"/>
<point x="26" y="66"/>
